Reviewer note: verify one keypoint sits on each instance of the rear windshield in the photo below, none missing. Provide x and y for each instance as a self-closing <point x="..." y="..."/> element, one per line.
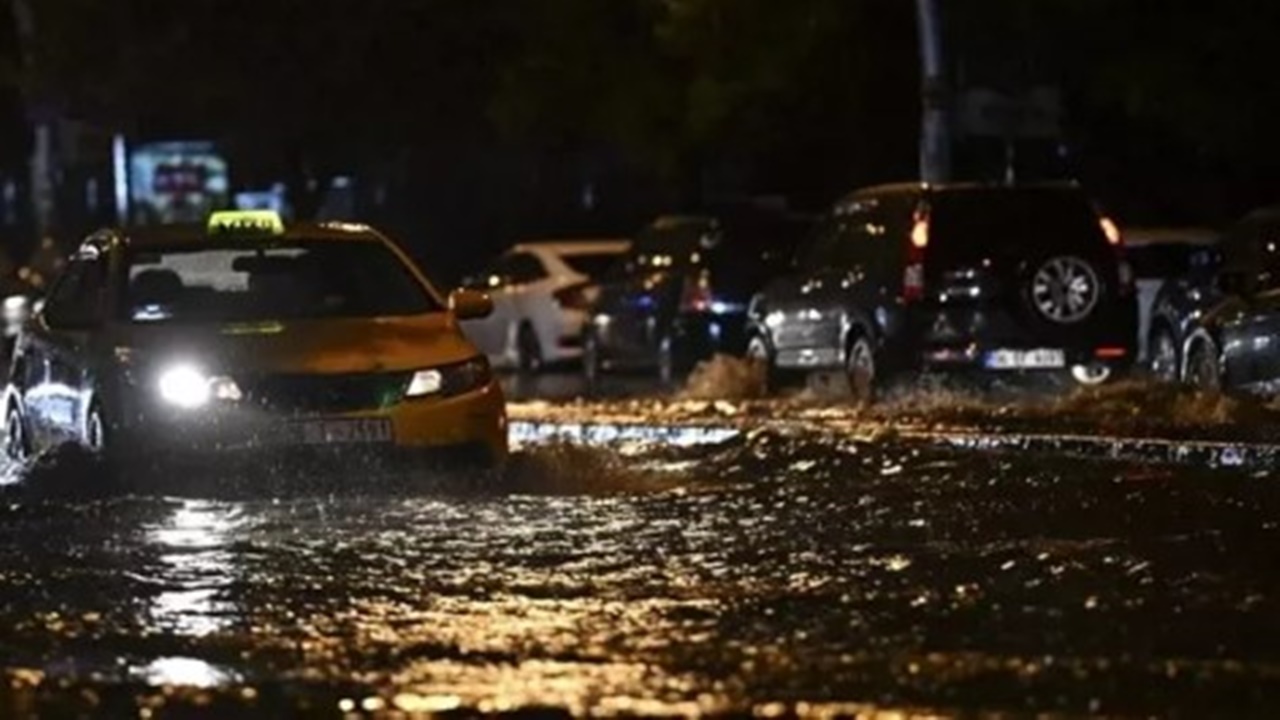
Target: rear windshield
<point x="276" y="281"/>
<point x="968" y="224"/>
<point x="1167" y="260"/>
<point x="746" y="241"/>
<point x="592" y="265"/>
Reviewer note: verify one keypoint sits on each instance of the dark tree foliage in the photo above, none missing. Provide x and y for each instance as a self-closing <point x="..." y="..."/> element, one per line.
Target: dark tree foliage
<point x="804" y="97"/>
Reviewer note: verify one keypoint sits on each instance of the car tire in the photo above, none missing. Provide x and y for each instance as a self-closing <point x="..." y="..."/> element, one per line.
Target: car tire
<point x="592" y="364"/>
<point x="95" y="431"/>
<point x="17" y="446"/>
<point x="860" y="369"/>
<point x="758" y="351"/>
<point x="1204" y="370"/>
<point x="1165" y="363"/>
<point x="672" y="367"/>
<point x="528" y="349"/>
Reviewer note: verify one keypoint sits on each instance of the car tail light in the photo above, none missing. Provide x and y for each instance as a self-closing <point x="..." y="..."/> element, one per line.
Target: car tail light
<point x="1116" y="240"/>
<point x="1110" y="353"/>
<point x="913" y="273"/>
<point x="574" y="297"/>
<point x="695" y="295"/>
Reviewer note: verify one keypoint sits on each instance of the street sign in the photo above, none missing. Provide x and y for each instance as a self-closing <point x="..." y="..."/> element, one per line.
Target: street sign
<point x="985" y="112"/>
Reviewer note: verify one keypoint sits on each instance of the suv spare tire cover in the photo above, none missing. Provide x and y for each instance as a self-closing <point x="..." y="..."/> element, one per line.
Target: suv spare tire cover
<point x="1065" y="289"/>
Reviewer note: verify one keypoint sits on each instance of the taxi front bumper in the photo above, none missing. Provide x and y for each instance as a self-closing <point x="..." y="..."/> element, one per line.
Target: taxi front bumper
<point x="471" y="427"/>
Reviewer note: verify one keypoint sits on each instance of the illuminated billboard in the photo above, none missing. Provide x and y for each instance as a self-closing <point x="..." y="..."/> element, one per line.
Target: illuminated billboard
<point x="176" y="182"/>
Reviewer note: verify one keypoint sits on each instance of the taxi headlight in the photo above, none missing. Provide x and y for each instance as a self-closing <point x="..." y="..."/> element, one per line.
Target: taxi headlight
<point x="450" y="380"/>
<point x="188" y="387"/>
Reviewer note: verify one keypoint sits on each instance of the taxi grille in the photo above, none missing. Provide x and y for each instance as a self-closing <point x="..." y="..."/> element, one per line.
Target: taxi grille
<point x="310" y="393"/>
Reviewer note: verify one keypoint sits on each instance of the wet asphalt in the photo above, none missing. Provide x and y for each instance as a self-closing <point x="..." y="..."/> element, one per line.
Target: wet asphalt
<point x="765" y="573"/>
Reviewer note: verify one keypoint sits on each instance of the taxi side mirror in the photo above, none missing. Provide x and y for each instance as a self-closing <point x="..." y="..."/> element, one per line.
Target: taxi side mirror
<point x="470" y="304"/>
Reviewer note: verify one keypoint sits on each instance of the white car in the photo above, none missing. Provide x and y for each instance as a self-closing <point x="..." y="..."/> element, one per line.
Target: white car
<point x="541" y="292"/>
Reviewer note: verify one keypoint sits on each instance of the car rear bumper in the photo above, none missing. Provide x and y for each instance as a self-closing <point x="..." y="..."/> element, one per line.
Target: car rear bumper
<point x="474" y="423"/>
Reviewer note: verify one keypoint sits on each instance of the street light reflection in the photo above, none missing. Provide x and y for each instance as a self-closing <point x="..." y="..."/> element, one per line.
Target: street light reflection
<point x="196" y="567"/>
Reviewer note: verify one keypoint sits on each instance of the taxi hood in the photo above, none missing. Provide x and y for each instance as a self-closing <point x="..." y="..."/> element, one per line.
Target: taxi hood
<point x="355" y="345"/>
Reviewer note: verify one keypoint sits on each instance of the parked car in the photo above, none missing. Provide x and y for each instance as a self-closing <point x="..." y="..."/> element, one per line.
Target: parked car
<point x="1230" y="319"/>
<point x="1173" y="268"/>
<point x="541" y="292"/>
<point x="680" y="295"/>
<point x="911" y="277"/>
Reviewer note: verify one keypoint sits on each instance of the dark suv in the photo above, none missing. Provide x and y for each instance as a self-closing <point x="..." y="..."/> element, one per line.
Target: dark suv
<point x="1223" y="322"/>
<point x="953" y="277"/>
<point x="680" y="294"/>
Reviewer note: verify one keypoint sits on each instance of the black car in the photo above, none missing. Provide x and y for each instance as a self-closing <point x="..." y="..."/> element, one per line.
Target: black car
<point x="680" y="294"/>
<point x="912" y="277"/>
<point x="1184" y="288"/>
<point x="1225" y="326"/>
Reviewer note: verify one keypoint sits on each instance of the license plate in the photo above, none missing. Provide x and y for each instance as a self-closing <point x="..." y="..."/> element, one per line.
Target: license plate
<point x="1025" y="359"/>
<point x="340" y="431"/>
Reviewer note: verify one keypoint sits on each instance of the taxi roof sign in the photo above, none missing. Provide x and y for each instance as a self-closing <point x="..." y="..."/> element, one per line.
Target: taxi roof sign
<point x="247" y="222"/>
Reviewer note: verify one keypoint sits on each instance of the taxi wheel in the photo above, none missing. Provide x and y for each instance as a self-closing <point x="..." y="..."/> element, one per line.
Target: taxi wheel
<point x="16" y="445"/>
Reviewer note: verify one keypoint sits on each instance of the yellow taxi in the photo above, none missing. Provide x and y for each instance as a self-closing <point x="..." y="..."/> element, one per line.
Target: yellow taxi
<point x="245" y="337"/>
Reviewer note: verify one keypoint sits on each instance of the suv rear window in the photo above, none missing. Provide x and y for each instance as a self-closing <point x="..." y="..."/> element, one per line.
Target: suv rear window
<point x="966" y="225"/>
<point x="749" y="240"/>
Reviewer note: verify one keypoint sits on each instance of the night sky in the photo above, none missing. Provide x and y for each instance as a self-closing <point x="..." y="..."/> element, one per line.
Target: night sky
<point x="475" y="123"/>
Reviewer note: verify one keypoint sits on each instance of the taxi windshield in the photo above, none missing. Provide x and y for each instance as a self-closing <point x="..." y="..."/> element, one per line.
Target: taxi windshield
<point x="236" y="282"/>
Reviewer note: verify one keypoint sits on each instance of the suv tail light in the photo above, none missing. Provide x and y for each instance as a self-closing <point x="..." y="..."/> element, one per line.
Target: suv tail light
<point x="913" y="272"/>
<point x="1116" y="240"/>
<point x="695" y="295"/>
<point x="573" y="297"/>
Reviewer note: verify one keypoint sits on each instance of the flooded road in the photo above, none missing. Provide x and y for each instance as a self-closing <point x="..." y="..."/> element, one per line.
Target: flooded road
<point x="760" y="572"/>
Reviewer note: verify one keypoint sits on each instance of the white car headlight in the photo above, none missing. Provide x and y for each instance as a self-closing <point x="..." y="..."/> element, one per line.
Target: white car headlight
<point x="425" y="382"/>
<point x="450" y="380"/>
<point x="185" y="386"/>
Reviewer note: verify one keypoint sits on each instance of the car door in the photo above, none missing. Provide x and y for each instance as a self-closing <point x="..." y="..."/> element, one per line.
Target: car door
<point x="1247" y="320"/>
<point x="520" y="270"/>
<point x="61" y="352"/>
<point x="843" y="291"/>
<point x="1262" y="324"/>
<point x="798" y="306"/>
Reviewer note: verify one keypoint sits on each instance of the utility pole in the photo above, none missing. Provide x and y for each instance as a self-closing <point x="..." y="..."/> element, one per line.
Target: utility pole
<point x="42" y="188"/>
<point x="935" y="132"/>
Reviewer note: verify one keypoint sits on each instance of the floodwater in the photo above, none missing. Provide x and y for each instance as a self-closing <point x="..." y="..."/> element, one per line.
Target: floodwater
<point x="756" y="571"/>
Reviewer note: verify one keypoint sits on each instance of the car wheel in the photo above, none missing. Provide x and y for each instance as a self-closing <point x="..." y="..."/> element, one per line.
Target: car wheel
<point x="758" y="352"/>
<point x="860" y="369"/>
<point x="1203" y="368"/>
<point x="591" y="362"/>
<point x="95" y="431"/>
<point x="666" y="360"/>
<point x="528" y="349"/>
<point x="1164" y="356"/>
<point x="16" y="445"/>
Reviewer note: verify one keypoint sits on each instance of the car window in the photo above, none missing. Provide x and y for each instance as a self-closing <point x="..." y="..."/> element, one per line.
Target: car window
<point x="970" y="225"/>
<point x="592" y="265"/>
<point x="77" y="297"/>
<point x="277" y="281"/>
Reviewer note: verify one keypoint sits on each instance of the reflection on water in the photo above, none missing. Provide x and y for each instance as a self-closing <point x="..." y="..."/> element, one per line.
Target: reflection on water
<point x="772" y="574"/>
<point x="188" y="672"/>
<point x="196" y="565"/>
